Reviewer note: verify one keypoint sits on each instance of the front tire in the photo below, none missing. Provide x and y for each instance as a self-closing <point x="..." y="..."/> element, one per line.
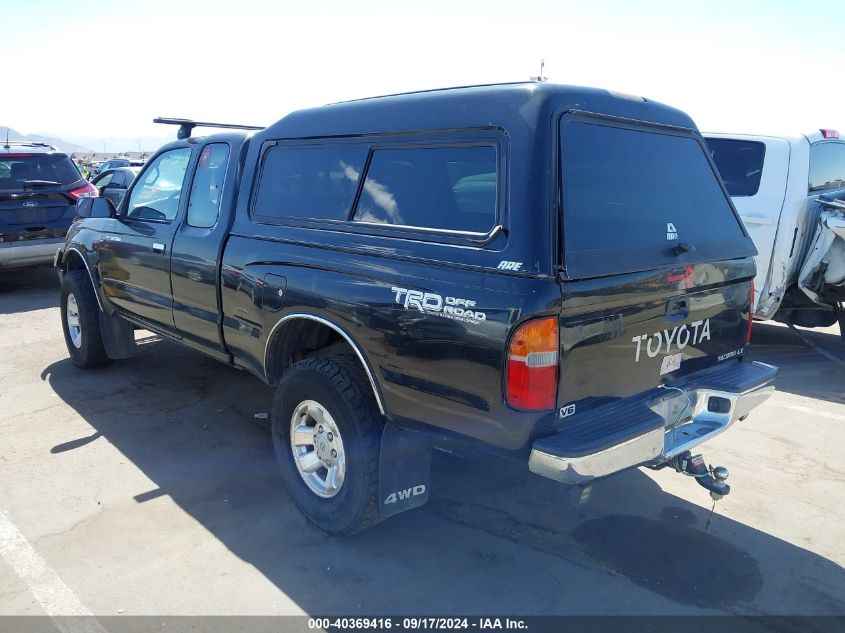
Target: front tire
<point x="81" y="321"/>
<point x="326" y="436"/>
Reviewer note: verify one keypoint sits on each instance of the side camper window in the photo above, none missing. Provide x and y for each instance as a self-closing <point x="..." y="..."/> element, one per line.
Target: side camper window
<point x="440" y="188"/>
<point x="315" y="182"/>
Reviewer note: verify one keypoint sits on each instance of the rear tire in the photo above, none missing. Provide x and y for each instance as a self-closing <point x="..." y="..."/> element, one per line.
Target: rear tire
<point x="332" y="394"/>
<point x="81" y="321"/>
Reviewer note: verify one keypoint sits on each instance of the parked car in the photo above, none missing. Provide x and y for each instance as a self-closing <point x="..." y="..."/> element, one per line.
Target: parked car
<point x="113" y="183"/>
<point x="39" y="187"/>
<point x="575" y="246"/>
<point x="785" y="189"/>
<point x="114" y="163"/>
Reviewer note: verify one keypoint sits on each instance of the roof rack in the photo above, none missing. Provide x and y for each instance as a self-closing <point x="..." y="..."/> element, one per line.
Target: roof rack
<point x="186" y="126"/>
<point x="9" y="143"/>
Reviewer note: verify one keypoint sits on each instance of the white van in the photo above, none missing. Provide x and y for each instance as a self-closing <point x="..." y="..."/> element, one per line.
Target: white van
<point x="790" y="193"/>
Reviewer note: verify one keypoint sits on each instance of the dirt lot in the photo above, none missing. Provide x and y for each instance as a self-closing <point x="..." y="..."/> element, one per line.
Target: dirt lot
<point x="149" y="488"/>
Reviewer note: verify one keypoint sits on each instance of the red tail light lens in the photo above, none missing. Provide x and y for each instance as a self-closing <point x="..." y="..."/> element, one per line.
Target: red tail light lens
<point x="829" y="133"/>
<point x="533" y="365"/>
<point x="750" y="313"/>
<point x="87" y="191"/>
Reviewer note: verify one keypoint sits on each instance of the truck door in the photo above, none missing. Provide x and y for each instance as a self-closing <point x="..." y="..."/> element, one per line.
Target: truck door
<point x="135" y="255"/>
<point x="197" y="246"/>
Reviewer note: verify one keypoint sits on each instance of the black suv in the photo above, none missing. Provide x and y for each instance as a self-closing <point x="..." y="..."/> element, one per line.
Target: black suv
<point x="555" y="274"/>
<point x="39" y="187"/>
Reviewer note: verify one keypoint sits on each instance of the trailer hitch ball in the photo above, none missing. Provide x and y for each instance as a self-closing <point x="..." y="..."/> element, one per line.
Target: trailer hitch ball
<point x="720" y="474"/>
<point x="713" y="478"/>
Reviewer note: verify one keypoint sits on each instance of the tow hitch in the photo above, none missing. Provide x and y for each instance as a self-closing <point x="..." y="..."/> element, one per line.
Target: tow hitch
<point x="713" y="479"/>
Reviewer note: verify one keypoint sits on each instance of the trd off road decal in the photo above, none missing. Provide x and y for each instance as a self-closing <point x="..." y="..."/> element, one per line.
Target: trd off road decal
<point x="679" y="337"/>
<point x="432" y="303"/>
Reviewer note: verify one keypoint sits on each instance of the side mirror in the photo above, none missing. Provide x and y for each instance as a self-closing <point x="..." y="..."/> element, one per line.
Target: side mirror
<point x="95" y="208"/>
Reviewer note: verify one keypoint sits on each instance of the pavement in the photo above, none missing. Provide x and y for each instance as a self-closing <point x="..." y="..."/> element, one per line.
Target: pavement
<point x="149" y="487"/>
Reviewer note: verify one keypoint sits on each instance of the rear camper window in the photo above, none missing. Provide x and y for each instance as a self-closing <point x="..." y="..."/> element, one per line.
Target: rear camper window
<point x="740" y="164"/>
<point x="630" y="196"/>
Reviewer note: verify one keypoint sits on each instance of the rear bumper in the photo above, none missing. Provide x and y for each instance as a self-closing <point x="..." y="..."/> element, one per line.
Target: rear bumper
<point x="651" y="428"/>
<point x="28" y="252"/>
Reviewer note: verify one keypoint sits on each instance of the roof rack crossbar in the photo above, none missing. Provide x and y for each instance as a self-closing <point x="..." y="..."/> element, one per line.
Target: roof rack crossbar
<point x="186" y="126"/>
<point x="9" y="143"/>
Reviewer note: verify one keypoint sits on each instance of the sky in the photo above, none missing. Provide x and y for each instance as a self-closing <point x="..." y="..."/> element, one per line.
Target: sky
<point x="99" y="69"/>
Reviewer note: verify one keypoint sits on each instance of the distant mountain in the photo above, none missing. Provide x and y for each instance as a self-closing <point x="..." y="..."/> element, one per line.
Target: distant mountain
<point x="61" y="145"/>
<point x="64" y="146"/>
<point x="114" y="145"/>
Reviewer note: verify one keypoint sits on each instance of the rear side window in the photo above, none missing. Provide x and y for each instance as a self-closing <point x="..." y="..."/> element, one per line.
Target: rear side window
<point x="443" y="188"/>
<point x="740" y="164"/>
<point x="17" y="169"/>
<point x="630" y="196"/>
<point x="207" y="187"/>
<point x="309" y="182"/>
<point x="827" y="166"/>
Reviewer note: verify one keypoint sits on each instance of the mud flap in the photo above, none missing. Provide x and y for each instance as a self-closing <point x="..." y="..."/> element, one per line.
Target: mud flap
<point x="404" y="470"/>
<point x="118" y="336"/>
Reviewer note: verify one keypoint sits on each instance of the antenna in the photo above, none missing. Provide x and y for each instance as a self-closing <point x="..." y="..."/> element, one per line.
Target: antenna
<point x="7" y="137"/>
<point x="186" y="126"/>
<point x="540" y="77"/>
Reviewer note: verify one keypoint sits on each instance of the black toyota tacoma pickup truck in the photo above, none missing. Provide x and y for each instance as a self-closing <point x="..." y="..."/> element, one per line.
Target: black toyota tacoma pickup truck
<point x="555" y="274"/>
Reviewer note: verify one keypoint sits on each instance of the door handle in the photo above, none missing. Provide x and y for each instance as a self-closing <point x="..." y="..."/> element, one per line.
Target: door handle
<point x="158" y="248"/>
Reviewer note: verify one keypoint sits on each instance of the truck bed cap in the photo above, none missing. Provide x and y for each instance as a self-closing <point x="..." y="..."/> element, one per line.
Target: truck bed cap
<point x="511" y="106"/>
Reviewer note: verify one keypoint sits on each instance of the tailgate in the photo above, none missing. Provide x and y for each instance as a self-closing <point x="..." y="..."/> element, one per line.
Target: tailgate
<point x="613" y="348"/>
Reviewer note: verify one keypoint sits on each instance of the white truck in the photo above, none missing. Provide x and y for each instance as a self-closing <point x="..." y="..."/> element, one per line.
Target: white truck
<point x="790" y="193"/>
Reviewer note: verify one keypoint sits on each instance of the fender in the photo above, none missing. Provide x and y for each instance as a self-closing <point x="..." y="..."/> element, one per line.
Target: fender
<point x="118" y="334"/>
<point x="61" y="255"/>
<point x="346" y="337"/>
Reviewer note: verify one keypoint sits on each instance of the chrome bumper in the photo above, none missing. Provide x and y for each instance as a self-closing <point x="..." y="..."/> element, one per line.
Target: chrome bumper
<point x="684" y="416"/>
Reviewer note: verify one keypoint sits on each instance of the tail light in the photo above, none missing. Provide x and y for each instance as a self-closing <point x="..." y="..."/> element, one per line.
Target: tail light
<point x="750" y="313"/>
<point x="86" y="191"/>
<point x="829" y="133"/>
<point x="533" y="365"/>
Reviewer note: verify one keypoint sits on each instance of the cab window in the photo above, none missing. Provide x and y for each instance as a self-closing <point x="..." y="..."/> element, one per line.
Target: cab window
<point x="827" y="166"/>
<point x="156" y="195"/>
<point x="207" y="188"/>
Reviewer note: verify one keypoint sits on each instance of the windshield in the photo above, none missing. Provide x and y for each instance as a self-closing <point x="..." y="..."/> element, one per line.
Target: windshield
<point x="740" y="164"/>
<point x="631" y="195"/>
<point x="18" y="171"/>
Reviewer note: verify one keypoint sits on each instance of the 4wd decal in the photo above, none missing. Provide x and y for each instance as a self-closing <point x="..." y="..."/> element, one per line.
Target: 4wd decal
<point x="432" y="303"/>
<point x="680" y="337"/>
<point x="401" y="495"/>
